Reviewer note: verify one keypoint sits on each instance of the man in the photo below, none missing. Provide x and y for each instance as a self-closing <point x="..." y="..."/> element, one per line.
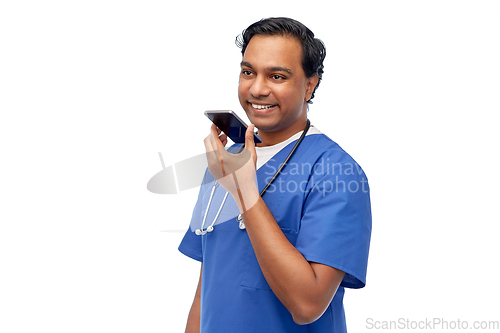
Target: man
<point x="284" y="267"/>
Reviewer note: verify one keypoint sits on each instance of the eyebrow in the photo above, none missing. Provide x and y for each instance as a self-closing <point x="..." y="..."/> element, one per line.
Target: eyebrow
<point x="270" y="69"/>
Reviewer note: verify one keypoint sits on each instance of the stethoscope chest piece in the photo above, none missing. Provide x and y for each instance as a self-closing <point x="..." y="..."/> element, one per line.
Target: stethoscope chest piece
<point x="239" y="218"/>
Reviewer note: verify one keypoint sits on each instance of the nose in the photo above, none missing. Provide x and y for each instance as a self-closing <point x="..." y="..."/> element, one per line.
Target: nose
<point x="259" y="87"/>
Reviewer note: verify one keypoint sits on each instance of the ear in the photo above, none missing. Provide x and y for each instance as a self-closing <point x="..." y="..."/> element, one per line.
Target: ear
<point x="311" y="83"/>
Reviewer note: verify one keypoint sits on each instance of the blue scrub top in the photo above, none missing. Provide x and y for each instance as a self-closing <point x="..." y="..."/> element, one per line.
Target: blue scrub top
<point x="321" y="202"/>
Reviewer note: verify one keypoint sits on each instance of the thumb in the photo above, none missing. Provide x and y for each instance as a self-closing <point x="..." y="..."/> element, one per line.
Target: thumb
<point x="249" y="142"/>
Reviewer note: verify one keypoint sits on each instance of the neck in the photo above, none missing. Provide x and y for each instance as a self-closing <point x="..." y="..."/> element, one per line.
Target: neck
<point x="270" y="138"/>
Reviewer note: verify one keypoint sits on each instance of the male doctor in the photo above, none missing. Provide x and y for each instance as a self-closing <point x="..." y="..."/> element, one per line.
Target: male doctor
<point x="280" y="261"/>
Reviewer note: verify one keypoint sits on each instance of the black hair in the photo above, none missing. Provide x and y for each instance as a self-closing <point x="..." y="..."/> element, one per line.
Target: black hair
<point x="313" y="49"/>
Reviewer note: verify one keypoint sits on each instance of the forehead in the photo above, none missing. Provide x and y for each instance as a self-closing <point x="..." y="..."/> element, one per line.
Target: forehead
<point x="276" y="50"/>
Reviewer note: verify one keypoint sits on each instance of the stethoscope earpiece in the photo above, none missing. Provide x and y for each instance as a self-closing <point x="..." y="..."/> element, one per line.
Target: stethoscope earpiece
<point x="241" y="224"/>
<point x="200" y="233"/>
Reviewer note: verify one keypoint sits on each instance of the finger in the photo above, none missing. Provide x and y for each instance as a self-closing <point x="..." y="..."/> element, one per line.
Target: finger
<point x="223" y="139"/>
<point x="217" y="129"/>
<point x="249" y="142"/>
<point x="209" y="143"/>
<point x="218" y="147"/>
<point x="212" y="138"/>
<point x="211" y="148"/>
<point x="210" y="151"/>
<point x="215" y="136"/>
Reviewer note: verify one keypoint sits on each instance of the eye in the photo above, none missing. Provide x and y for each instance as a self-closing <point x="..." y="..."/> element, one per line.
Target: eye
<point x="277" y="77"/>
<point x="246" y="72"/>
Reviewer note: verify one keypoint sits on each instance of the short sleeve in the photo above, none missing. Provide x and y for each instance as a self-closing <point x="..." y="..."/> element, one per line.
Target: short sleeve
<point x="191" y="243"/>
<point x="191" y="246"/>
<point x="336" y="222"/>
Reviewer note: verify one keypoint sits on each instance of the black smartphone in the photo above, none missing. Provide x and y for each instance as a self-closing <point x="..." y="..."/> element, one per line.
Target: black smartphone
<point x="229" y="123"/>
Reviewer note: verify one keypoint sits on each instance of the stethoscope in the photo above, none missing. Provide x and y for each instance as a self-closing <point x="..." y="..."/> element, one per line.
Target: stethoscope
<point x="239" y="218"/>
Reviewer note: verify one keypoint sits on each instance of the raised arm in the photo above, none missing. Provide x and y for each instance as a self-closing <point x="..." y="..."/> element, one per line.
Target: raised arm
<point x="305" y="288"/>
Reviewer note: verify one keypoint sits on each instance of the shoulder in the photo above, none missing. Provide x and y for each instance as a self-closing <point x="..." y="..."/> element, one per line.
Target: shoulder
<point x="321" y="149"/>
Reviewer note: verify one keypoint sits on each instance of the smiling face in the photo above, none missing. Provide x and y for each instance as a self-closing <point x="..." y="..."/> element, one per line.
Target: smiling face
<point x="273" y="88"/>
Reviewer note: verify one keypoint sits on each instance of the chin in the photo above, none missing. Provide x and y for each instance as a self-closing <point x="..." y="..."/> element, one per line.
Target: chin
<point x="265" y="126"/>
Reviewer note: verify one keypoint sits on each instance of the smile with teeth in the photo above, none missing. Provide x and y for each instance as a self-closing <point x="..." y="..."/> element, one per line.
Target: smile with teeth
<point x="262" y="107"/>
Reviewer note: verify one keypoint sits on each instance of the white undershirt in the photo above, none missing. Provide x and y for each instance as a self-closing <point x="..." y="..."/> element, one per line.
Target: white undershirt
<point x="264" y="154"/>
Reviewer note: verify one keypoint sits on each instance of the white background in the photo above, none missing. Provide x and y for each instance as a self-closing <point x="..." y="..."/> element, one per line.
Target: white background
<point x="91" y="91"/>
